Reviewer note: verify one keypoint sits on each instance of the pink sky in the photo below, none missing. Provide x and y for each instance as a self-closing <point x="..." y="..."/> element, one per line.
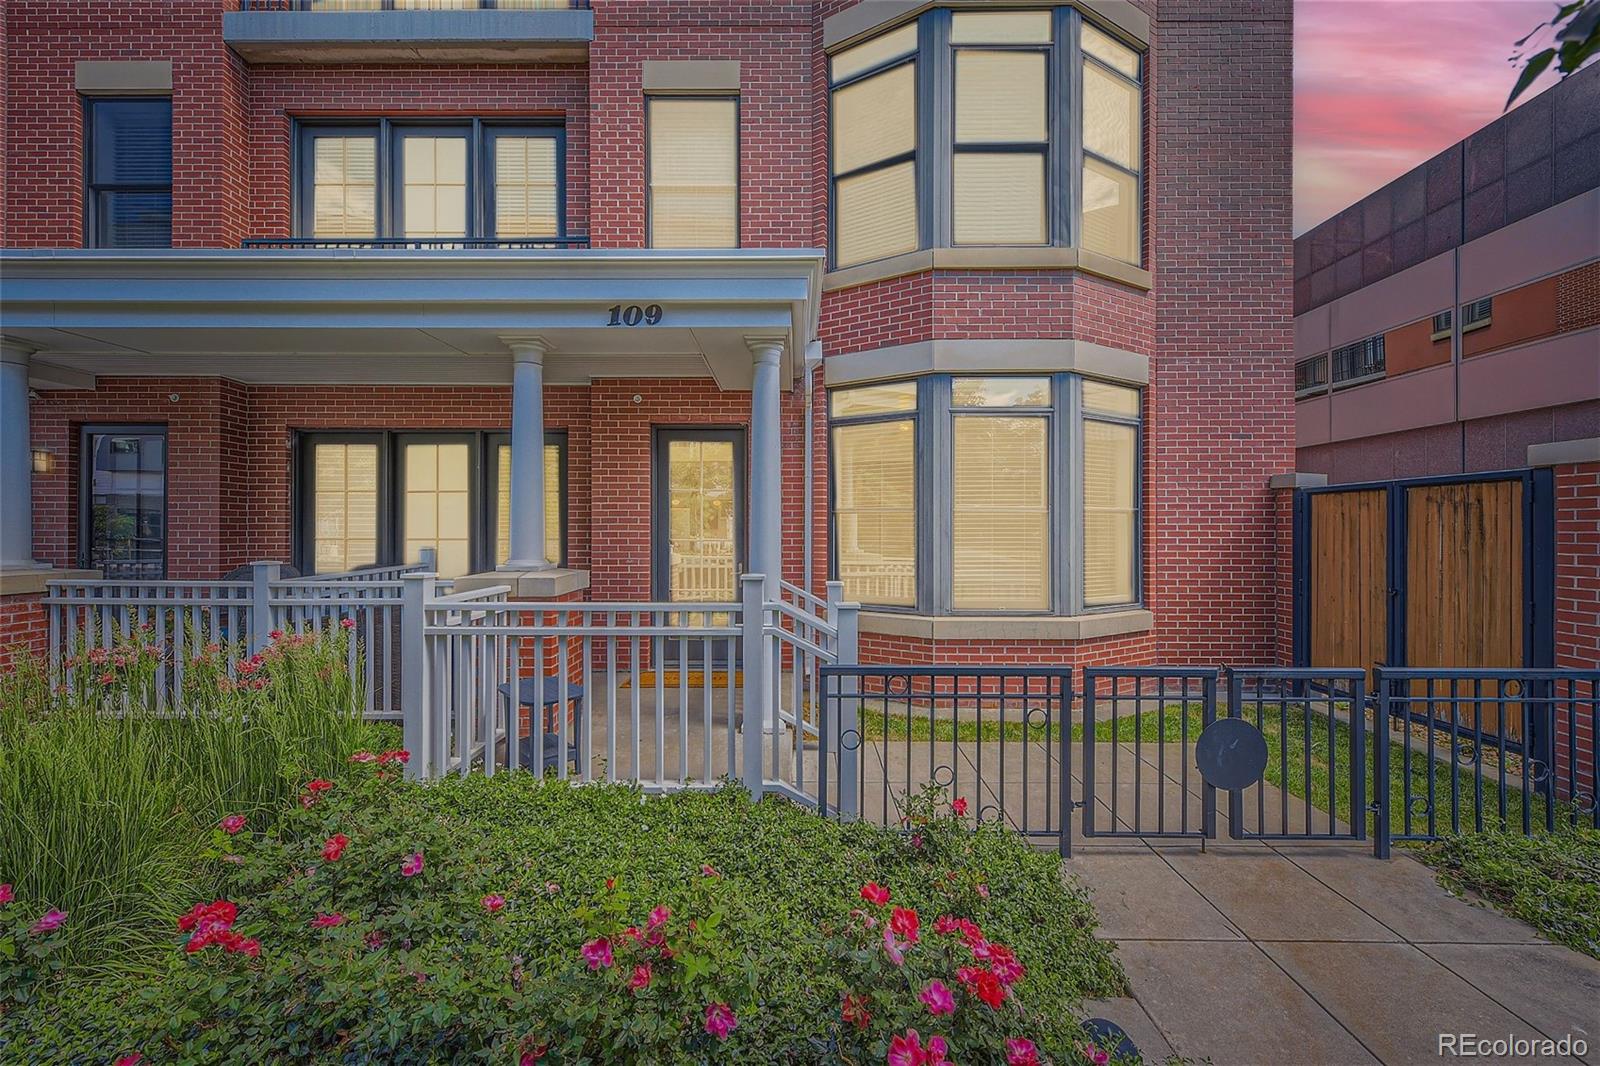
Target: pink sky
<point x="1382" y="85"/>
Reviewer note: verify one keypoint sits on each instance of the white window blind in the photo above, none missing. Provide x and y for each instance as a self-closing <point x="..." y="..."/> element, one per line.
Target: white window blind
<point x="345" y="491"/>
<point x="892" y="45"/>
<point x="877" y="214"/>
<point x="344" y="187"/>
<point x="874" y="399"/>
<point x="1000" y="27"/>
<point x="999" y="197"/>
<point x="1111" y="117"/>
<point x="553" y="505"/>
<point x="1110" y="476"/>
<point x="694" y="173"/>
<point x="525" y="187"/>
<point x="434" y="190"/>
<point x="1110" y="211"/>
<point x="1000" y="97"/>
<point x="875" y="518"/>
<point x="1001" y="513"/>
<point x="437" y="502"/>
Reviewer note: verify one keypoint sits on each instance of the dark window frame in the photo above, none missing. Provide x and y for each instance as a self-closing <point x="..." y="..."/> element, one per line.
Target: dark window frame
<point x="86" y="456"/>
<point x="1048" y="149"/>
<point x="93" y="216"/>
<point x="389" y="135"/>
<point x="483" y="471"/>
<point x="935" y="149"/>
<point x="738" y="160"/>
<point x="933" y="419"/>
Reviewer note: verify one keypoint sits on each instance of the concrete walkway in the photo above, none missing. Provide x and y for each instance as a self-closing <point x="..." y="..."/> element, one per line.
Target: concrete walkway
<point x="1319" y="953"/>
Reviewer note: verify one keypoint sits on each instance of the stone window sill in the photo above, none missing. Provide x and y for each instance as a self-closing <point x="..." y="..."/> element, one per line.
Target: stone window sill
<point x="987" y="258"/>
<point x="1003" y="627"/>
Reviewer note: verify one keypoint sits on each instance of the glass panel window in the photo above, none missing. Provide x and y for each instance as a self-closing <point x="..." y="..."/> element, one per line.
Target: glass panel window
<point x="555" y="504"/>
<point x="1110" y="536"/>
<point x="345" y="495"/>
<point x="1000" y="27"/>
<point x="1000" y="534"/>
<point x="875" y="518"/>
<point x="1108" y="51"/>
<point x="876" y="215"/>
<point x="123" y="529"/>
<point x="129" y="167"/>
<point x="526" y="187"/>
<point x="999" y="198"/>
<point x="694" y="172"/>
<point x="344" y="191"/>
<point x="434" y="186"/>
<point x="1110" y="116"/>
<point x="1000" y="392"/>
<point x="863" y="57"/>
<point x="436" y="503"/>
<point x="874" y="399"/>
<point x="1110" y="211"/>
<point x="701" y="511"/>
<point x="1000" y="97"/>
<point x="1110" y="399"/>
<point x="875" y="119"/>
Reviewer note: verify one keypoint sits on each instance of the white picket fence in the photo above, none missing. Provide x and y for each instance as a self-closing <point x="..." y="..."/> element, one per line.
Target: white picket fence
<point x="667" y="695"/>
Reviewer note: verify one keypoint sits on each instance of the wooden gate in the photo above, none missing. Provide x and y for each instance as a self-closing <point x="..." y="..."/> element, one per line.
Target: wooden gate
<point x="1452" y="572"/>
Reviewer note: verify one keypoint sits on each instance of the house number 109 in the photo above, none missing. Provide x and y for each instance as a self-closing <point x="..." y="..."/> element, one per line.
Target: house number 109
<point x="633" y="314"/>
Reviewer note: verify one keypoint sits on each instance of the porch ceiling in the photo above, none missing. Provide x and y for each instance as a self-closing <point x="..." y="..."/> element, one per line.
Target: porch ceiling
<point x="388" y="316"/>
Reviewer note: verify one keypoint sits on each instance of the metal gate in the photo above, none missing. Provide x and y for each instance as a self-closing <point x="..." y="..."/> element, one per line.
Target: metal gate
<point x="1449" y="572"/>
<point x="1139" y="752"/>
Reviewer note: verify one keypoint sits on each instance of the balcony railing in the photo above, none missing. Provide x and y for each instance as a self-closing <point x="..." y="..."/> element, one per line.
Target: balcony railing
<point x="413" y="5"/>
<point x="418" y="243"/>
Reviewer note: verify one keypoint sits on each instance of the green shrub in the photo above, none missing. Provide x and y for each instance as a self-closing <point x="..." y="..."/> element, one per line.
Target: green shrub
<point x="103" y="790"/>
<point x="476" y="951"/>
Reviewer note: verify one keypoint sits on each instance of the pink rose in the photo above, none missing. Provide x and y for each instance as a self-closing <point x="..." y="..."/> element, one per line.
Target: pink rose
<point x="412" y="866"/>
<point x="233" y="823"/>
<point x="50" y="922"/>
<point x="641" y="977"/>
<point x="6" y="895"/>
<point x="493" y="903"/>
<point x="327" y="921"/>
<point x="1021" y="1052"/>
<point x="875" y="893"/>
<point x="937" y="998"/>
<point x="597" y="953"/>
<point x="659" y="916"/>
<point x="720" y="1020"/>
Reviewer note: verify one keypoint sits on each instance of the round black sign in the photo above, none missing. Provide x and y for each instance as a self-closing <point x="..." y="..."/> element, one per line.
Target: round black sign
<point x="1231" y="753"/>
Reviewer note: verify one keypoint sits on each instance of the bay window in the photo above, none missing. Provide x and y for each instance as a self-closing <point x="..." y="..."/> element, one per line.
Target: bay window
<point x="993" y="128"/>
<point x="987" y="494"/>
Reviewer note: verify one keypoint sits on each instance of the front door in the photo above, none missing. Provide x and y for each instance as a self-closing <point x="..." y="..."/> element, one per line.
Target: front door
<point x="699" y="515"/>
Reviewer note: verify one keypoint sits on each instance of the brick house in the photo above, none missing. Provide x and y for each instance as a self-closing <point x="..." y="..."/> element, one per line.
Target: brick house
<point x="982" y="308"/>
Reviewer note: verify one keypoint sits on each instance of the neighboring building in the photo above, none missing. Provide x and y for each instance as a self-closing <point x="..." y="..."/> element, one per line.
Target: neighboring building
<point x="984" y="308"/>
<point x="1452" y="318"/>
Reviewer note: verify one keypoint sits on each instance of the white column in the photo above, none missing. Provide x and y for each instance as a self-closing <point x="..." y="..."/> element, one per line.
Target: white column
<point x="16" y="459"/>
<point x="527" y="455"/>
<point x="766" y="470"/>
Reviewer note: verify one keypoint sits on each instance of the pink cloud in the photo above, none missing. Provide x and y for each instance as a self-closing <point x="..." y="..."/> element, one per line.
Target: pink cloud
<point x="1382" y="85"/>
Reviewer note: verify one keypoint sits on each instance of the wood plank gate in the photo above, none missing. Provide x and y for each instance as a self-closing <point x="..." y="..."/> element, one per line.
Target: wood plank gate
<point x="1454" y="572"/>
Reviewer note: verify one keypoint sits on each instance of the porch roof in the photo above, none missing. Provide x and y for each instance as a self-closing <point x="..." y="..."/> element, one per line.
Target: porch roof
<point x="281" y="316"/>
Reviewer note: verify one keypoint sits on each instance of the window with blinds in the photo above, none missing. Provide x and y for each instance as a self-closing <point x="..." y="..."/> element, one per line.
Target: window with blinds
<point x="1000" y="494"/>
<point x="874" y="100"/>
<point x="129" y="168"/>
<point x="1002" y="135"/>
<point x="346" y="506"/>
<point x="874" y="492"/>
<point x="344" y="189"/>
<point x="555" y="504"/>
<point x="1112" y="119"/>
<point x="526" y="187"/>
<point x="433" y="186"/>
<point x="436" y="511"/>
<point x="694" y="172"/>
<point x="438" y="184"/>
<point x="989" y="453"/>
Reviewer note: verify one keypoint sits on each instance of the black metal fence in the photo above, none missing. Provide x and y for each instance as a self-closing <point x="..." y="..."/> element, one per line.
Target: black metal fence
<point x="1471" y="750"/>
<point x="1302" y="754"/>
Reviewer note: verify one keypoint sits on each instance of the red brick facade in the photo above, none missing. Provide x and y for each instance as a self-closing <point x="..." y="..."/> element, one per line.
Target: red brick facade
<point x="1215" y="326"/>
<point x="1577" y="636"/>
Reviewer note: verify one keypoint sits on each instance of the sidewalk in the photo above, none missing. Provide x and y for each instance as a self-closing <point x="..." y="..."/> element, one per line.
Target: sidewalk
<point x="1319" y="953"/>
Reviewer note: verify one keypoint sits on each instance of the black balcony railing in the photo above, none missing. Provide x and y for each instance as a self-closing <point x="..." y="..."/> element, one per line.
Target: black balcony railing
<point x="413" y="5"/>
<point x="418" y="243"/>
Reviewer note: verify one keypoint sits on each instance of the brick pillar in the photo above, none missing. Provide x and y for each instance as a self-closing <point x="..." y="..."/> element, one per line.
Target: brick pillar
<point x="22" y="628"/>
<point x="1577" y="629"/>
